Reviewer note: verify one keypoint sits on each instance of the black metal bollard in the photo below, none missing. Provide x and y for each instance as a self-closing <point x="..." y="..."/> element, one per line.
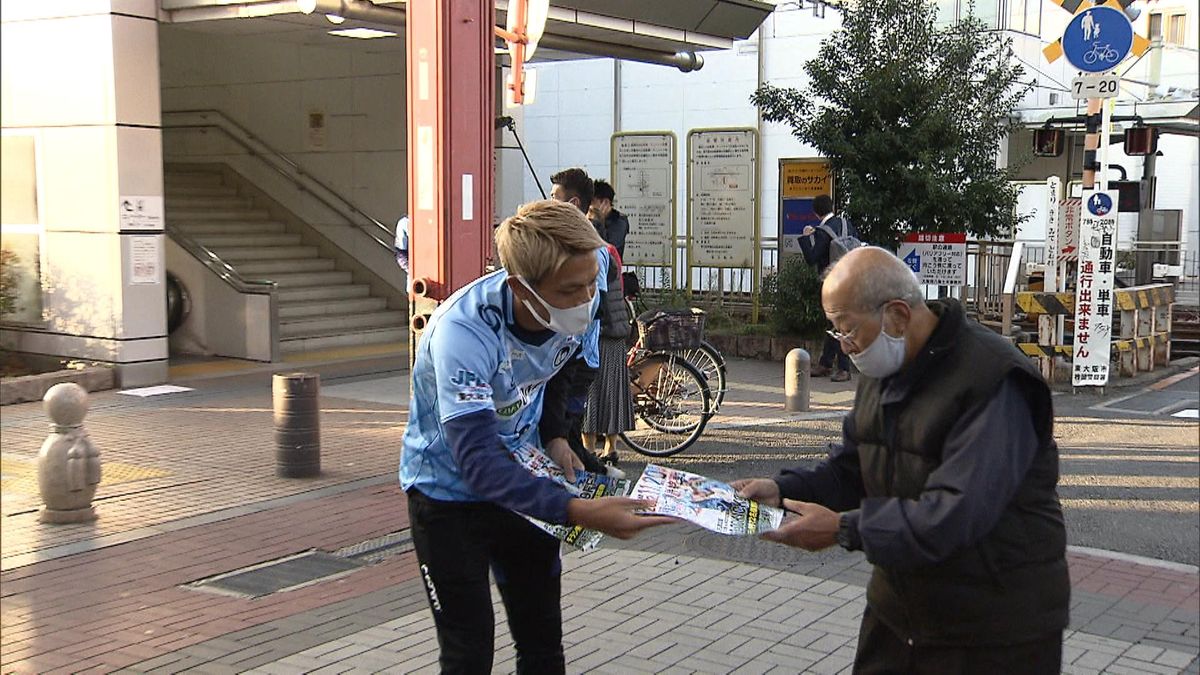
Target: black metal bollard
<point x="297" y="405"/>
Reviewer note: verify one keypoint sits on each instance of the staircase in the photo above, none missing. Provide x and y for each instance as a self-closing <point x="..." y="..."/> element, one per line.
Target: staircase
<point x="320" y="306"/>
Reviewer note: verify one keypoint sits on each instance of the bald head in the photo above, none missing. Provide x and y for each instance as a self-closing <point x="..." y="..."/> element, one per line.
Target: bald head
<point x="865" y="278"/>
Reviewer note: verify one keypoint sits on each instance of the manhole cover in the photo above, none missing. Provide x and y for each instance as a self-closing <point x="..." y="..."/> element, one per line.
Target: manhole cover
<point x="306" y="568"/>
<point x="280" y="575"/>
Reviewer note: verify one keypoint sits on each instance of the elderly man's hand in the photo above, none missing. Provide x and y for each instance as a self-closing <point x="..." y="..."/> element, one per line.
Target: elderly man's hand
<point x="813" y="528"/>
<point x="560" y="451"/>
<point x="762" y="490"/>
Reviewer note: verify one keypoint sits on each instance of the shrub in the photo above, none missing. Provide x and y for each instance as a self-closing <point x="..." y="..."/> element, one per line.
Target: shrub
<point x="10" y="276"/>
<point x="793" y="295"/>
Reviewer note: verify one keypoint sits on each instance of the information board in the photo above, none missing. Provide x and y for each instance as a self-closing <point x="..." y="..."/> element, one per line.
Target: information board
<point x="722" y="197"/>
<point x="937" y="258"/>
<point x="643" y="176"/>
<point x="1093" y="289"/>
<point x="800" y="181"/>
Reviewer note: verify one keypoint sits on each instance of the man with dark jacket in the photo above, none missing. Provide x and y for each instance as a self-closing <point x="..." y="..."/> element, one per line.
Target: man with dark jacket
<point x="946" y="478"/>
<point x="613" y="225"/>
<point x="814" y="243"/>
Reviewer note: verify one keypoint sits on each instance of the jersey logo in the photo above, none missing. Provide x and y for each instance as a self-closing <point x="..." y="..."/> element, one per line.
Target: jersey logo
<point x="465" y="378"/>
<point x="492" y="317"/>
<point x="561" y="357"/>
<point x="471" y="388"/>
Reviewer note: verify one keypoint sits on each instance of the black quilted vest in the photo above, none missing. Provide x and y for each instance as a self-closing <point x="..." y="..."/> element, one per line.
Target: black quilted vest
<point x="1012" y="585"/>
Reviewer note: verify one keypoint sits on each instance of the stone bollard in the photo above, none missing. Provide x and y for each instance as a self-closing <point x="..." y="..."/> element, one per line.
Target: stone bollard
<point x="795" y="381"/>
<point x="297" y="424"/>
<point x="68" y="466"/>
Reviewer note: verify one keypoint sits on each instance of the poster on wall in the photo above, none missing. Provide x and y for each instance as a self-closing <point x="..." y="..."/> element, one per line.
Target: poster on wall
<point x="643" y="176"/>
<point x="1094" y="289"/>
<point x="722" y="197"/>
<point x="800" y="181"/>
<point x="145" y="259"/>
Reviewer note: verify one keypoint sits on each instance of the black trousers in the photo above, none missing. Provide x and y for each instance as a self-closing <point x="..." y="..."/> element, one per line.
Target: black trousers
<point x="881" y="651"/>
<point x="833" y="349"/>
<point x="456" y="543"/>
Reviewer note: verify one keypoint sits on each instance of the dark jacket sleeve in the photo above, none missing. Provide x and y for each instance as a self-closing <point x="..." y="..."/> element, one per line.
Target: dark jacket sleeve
<point x="555" y="422"/>
<point x="494" y="475"/>
<point x="984" y="461"/>
<point x="835" y="483"/>
<point x="618" y="228"/>
<point x="816" y="249"/>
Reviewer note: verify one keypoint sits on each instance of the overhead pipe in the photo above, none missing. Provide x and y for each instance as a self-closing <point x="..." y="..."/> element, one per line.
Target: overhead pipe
<point x="685" y="61"/>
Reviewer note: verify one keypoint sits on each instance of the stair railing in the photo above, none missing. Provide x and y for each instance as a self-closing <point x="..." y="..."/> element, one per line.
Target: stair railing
<point x="285" y="166"/>
<point x="236" y="281"/>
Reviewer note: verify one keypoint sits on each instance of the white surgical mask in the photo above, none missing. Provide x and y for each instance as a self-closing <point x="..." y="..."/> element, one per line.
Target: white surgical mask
<point x="571" y="321"/>
<point x="882" y="358"/>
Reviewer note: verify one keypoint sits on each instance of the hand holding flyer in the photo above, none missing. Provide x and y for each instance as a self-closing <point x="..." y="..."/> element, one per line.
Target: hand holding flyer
<point x="709" y="503"/>
<point x="586" y="486"/>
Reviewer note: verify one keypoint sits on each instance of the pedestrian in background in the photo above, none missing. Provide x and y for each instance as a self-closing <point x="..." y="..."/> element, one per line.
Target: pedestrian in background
<point x="946" y="478"/>
<point x="816" y="242"/>
<point x="613" y="225"/>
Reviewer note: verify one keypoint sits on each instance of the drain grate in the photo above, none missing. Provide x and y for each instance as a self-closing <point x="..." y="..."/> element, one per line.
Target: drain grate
<point x="310" y="567"/>
<point x="279" y="575"/>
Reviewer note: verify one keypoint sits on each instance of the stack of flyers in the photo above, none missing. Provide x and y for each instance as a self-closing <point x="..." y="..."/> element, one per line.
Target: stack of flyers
<point x="586" y="486"/>
<point x="708" y="503"/>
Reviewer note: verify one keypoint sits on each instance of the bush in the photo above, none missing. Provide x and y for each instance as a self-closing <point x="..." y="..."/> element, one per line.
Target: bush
<point x="10" y="276"/>
<point x="793" y="294"/>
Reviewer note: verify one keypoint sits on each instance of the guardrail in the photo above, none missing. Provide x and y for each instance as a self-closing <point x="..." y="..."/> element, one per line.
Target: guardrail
<point x="1144" y="315"/>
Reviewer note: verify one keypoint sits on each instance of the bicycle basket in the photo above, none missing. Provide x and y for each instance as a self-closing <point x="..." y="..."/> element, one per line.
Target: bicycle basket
<point x="667" y="329"/>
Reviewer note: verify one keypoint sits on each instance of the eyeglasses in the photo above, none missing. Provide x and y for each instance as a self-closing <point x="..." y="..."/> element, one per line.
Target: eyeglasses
<point x="848" y="337"/>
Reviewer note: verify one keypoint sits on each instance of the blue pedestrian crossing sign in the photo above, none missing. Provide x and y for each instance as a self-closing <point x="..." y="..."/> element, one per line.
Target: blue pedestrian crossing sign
<point x="1097" y="39"/>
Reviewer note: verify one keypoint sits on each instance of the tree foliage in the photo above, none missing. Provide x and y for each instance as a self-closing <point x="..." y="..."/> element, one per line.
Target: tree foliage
<point x="793" y="295"/>
<point x="10" y="276"/>
<point x="912" y="116"/>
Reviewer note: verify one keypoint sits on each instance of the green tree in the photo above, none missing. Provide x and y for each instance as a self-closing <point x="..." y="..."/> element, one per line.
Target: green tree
<point x="10" y="277"/>
<point x="912" y="116"/>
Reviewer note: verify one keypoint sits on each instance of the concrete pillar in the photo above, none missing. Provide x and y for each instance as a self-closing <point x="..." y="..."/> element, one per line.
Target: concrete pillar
<point x="81" y="88"/>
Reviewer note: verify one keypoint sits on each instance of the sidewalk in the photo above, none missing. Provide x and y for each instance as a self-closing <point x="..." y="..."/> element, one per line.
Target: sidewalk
<point x="191" y="494"/>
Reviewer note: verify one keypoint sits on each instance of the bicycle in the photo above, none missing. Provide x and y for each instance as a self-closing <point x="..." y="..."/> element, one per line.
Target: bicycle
<point x="672" y="402"/>
<point x="705" y="357"/>
<point x="1104" y="55"/>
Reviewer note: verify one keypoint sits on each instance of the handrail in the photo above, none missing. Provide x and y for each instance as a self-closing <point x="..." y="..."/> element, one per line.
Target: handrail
<point x="236" y="281"/>
<point x="300" y="175"/>
<point x="219" y="267"/>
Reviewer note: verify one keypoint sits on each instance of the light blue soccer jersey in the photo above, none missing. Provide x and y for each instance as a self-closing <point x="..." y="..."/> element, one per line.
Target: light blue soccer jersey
<point x="469" y="360"/>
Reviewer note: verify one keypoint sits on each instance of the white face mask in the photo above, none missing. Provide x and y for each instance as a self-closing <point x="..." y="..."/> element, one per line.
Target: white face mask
<point x="571" y="321"/>
<point x="882" y="358"/>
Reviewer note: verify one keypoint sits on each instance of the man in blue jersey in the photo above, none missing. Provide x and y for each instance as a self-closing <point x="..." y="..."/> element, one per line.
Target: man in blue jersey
<point x="478" y="386"/>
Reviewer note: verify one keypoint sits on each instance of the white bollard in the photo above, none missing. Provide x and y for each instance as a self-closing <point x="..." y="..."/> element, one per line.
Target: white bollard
<point x="795" y="381"/>
<point x="68" y="466"/>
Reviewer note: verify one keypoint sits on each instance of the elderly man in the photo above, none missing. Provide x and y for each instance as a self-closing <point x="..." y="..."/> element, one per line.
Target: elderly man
<point x="946" y="478"/>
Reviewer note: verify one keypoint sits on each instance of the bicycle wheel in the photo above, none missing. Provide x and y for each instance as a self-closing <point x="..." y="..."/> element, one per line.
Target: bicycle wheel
<point x="711" y="363"/>
<point x="671" y="402"/>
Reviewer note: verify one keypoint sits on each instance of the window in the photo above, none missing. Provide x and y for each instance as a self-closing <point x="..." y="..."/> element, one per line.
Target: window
<point x="19" y="222"/>
<point x="1155" y="29"/>
<point x="1176" y="29"/>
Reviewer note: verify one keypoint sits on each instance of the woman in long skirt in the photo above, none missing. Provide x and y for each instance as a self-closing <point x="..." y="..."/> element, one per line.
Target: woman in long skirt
<point x="610" y="402"/>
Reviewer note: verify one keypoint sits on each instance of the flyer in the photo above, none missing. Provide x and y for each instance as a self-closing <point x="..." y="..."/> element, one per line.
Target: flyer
<point x="708" y="503"/>
<point x="586" y="486"/>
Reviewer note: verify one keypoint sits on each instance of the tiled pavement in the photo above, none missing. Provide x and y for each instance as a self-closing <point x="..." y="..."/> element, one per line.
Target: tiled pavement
<point x="109" y="596"/>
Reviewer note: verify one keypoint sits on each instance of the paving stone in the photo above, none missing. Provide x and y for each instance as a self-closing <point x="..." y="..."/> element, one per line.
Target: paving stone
<point x="1176" y="659"/>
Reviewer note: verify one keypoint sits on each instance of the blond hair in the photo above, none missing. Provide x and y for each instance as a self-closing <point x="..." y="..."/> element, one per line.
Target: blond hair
<point x="536" y="241"/>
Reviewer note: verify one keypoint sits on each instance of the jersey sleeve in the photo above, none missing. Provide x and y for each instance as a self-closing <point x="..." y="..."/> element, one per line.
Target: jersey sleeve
<point x="465" y="359"/>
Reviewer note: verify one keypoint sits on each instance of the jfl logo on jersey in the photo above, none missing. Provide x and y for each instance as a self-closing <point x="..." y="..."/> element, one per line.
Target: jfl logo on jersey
<point x="471" y="387"/>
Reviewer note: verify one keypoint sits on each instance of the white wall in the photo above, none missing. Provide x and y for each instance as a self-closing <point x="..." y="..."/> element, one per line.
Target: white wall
<point x="270" y="85"/>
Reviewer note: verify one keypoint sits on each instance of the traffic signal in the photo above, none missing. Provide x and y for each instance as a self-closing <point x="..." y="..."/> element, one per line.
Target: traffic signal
<point x="1049" y="142"/>
<point x="1141" y="141"/>
<point x="1129" y="195"/>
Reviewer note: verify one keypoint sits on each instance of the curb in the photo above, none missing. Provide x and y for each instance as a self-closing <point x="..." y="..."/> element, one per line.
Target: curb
<point x="1183" y="568"/>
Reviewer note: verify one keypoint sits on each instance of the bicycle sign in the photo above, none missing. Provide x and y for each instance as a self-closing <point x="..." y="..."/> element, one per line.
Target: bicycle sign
<point x="1097" y="39"/>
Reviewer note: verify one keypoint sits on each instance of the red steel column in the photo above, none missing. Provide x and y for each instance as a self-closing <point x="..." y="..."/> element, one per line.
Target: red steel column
<point x="451" y="109"/>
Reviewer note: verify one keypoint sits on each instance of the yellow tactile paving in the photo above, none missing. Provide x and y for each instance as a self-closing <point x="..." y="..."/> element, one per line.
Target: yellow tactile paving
<point x="336" y="353"/>
<point x="211" y="367"/>
<point x="19" y="474"/>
